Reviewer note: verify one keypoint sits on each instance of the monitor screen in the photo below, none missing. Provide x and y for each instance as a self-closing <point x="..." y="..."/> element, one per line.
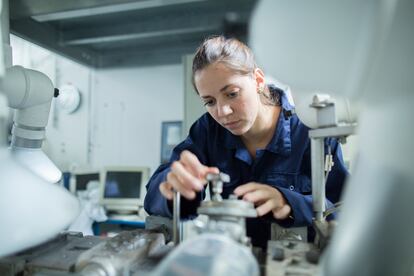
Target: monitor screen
<point x="79" y="180"/>
<point x="120" y="184"/>
<point x="123" y="188"/>
<point x="83" y="179"/>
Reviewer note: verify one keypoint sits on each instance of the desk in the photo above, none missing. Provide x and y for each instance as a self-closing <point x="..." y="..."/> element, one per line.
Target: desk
<point x="117" y="222"/>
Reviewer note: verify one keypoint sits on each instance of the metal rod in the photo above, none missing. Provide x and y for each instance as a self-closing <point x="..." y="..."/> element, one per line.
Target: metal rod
<point x="176" y="218"/>
<point x="318" y="177"/>
<point x="4" y="112"/>
<point x="5" y="39"/>
<point x="5" y="21"/>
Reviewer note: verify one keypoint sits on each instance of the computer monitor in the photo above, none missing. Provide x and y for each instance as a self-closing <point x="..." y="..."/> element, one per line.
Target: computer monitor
<point x="80" y="179"/>
<point x="123" y="188"/>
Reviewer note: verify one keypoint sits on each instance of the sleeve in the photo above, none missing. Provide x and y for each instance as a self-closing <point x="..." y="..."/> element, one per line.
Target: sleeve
<point x="155" y="203"/>
<point x="302" y="209"/>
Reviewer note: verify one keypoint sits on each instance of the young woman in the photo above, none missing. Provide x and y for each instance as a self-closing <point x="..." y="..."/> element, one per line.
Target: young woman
<point x="249" y="132"/>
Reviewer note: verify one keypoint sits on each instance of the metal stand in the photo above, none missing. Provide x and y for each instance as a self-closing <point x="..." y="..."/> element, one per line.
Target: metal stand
<point x="319" y="168"/>
<point x="317" y="137"/>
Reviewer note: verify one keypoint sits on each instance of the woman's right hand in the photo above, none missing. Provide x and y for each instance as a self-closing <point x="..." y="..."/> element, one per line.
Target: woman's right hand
<point x="187" y="176"/>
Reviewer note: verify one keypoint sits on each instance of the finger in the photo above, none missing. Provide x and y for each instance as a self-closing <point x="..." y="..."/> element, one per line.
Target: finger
<point x="179" y="187"/>
<point x="246" y="188"/>
<point x="282" y="213"/>
<point x="266" y="207"/>
<point x="166" y="190"/>
<point x="190" y="161"/>
<point x="208" y="170"/>
<point x="257" y="195"/>
<point x="190" y="195"/>
<point x="189" y="181"/>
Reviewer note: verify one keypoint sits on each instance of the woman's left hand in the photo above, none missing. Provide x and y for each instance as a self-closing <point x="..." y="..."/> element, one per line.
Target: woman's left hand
<point x="266" y="199"/>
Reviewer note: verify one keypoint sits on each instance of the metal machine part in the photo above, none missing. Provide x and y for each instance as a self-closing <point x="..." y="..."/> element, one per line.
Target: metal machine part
<point x="209" y="254"/>
<point x="161" y="225"/>
<point x="59" y="254"/>
<point x="119" y="255"/>
<point x="222" y="246"/>
<point x="328" y="127"/>
<point x="290" y="257"/>
<point x="217" y="181"/>
<point x="321" y="165"/>
<point x="128" y="253"/>
<point x="225" y="216"/>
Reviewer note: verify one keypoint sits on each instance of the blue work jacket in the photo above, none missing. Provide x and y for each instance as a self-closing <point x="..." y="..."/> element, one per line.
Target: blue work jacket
<point x="284" y="164"/>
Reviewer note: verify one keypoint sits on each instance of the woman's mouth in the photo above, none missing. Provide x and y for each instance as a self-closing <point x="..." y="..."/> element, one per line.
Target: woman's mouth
<point x="232" y="124"/>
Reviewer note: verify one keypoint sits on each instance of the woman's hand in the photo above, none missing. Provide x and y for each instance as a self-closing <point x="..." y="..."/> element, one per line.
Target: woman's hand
<point x="266" y="199"/>
<point x="187" y="176"/>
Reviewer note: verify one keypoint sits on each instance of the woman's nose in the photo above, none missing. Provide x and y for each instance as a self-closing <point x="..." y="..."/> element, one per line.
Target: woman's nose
<point x="224" y="110"/>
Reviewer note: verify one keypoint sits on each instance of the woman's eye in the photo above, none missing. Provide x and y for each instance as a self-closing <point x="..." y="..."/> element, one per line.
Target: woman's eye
<point x="208" y="103"/>
<point x="232" y="94"/>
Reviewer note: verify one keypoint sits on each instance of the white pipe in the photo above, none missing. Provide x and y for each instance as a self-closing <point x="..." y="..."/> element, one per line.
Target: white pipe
<point x="26" y="87"/>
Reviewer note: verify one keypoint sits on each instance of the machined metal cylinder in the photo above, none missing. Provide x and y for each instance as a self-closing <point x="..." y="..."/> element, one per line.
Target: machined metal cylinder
<point x="176" y="218"/>
<point x="318" y="177"/>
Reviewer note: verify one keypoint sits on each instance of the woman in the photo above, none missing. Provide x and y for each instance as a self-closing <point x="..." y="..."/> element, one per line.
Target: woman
<point x="249" y="132"/>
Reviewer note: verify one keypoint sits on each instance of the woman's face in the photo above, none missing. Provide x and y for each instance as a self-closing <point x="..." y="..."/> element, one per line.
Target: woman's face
<point x="230" y="98"/>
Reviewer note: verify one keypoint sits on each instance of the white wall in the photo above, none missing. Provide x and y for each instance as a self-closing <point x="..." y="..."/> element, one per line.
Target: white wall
<point x="67" y="134"/>
<point x="128" y="108"/>
<point x="193" y="105"/>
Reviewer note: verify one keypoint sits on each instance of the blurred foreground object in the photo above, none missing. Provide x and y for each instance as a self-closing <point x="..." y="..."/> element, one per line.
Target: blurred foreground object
<point x="361" y="51"/>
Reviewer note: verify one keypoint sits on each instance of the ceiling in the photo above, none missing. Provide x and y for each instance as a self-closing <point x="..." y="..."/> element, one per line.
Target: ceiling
<point x="118" y="33"/>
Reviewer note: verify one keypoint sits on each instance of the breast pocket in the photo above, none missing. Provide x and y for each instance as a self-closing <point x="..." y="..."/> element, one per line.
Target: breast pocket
<point x="294" y="182"/>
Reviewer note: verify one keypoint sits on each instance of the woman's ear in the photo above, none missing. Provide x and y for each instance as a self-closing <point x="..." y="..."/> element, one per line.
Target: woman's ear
<point x="260" y="79"/>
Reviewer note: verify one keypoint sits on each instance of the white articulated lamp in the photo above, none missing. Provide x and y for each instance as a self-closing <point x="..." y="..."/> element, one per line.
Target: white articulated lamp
<point x="360" y="52"/>
<point x="32" y="210"/>
<point x="30" y="93"/>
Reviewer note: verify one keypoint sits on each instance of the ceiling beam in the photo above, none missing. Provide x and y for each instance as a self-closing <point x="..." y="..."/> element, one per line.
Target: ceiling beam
<point x="51" y="10"/>
<point x="47" y="37"/>
<point x="161" y="55"/>
<point x="142" y="35"/>
<point x="169" y="25"/>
